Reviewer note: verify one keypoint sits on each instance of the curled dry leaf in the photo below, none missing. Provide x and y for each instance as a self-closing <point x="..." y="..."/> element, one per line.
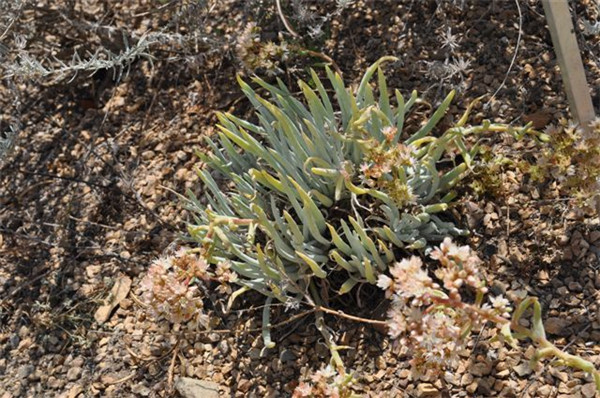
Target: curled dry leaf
<point x="119" y="291"/>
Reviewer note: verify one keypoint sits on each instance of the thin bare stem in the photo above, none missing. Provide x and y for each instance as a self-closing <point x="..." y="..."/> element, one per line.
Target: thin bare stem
<point x="351" y="317"/>
<point x="512" y="62"/>
<point x="12" y="22"/>
<point x="325" y="58"/>
<point x="287" y="25"/>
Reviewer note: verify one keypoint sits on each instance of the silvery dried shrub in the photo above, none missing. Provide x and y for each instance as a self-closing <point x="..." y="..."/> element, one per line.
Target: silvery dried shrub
<point x="7" y="141"/>
<point x="322" y="191"/>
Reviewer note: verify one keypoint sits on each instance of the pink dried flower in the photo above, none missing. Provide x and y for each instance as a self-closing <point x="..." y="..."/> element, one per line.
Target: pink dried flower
<point x="386" y="283"/>
<point x="188" y="265"/>
<point x="323" y="375"/>
<point x="501" y="306"/>
<point x="404" y="155"/>
<point x="225" y="276"/>
<point x="397" y="324"/>
<point x="167" y="291"/>
<point x="431" y="320"/>
<point x="326" y="382"/>
<point x="364" y="168"/>
<point x="459" y="266"/>
<point x="303" y="390"/>
<point x="448" y="251"/>
<point x="410" y="279"/>
<point x="346" y="170"/>
<point x="389" y="132"/>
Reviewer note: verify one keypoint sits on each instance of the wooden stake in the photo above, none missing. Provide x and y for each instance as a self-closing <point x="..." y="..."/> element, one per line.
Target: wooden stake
<point x="569" y="60"/>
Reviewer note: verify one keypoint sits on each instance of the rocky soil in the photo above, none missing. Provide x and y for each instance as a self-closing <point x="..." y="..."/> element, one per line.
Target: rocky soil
<point x="88" y="196"/>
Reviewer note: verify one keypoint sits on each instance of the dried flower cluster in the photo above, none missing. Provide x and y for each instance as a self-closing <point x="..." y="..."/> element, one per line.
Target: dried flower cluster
<point x="325" y="383"/>
<point x="573" y="159"/>
<point x="432" y="319"/>
<point x="170" y="291"/>
<point x="386" y="167"/>
<point x="225" y="277"/>
<point x="256" y="55"/>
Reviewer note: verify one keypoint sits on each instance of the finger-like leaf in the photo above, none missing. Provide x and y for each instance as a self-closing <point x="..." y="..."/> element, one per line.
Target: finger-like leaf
<point x="315" y="268"/>
<point x="434" y="120"/>
<point x="347" y="286"/>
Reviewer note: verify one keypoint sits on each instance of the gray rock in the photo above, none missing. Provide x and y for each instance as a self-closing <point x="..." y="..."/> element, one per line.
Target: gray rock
<point x="14" y="341"/>
<point x="55" y="383"/>
<point x="589" y="390"/>
<point x="523" y="369"/>
<point x="480" y="369"/>
<point x="25" y="371"/>
<point x="557" y="326"/>
<point x="426" y="390"/>
<point x="194" y="388"/>
<point x="254" y="353"/>
<point x="73" y="373"/>
<point x="223" y="347"/>
<point x="287" y="356"/>
<point x="141" y="389"/>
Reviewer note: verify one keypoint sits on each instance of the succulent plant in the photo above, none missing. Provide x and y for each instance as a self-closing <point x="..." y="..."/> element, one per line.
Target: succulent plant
<point x="314" y="188"/>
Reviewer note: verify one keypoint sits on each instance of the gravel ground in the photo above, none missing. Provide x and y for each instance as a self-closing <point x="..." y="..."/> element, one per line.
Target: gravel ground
<point x="87" y="200"/>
